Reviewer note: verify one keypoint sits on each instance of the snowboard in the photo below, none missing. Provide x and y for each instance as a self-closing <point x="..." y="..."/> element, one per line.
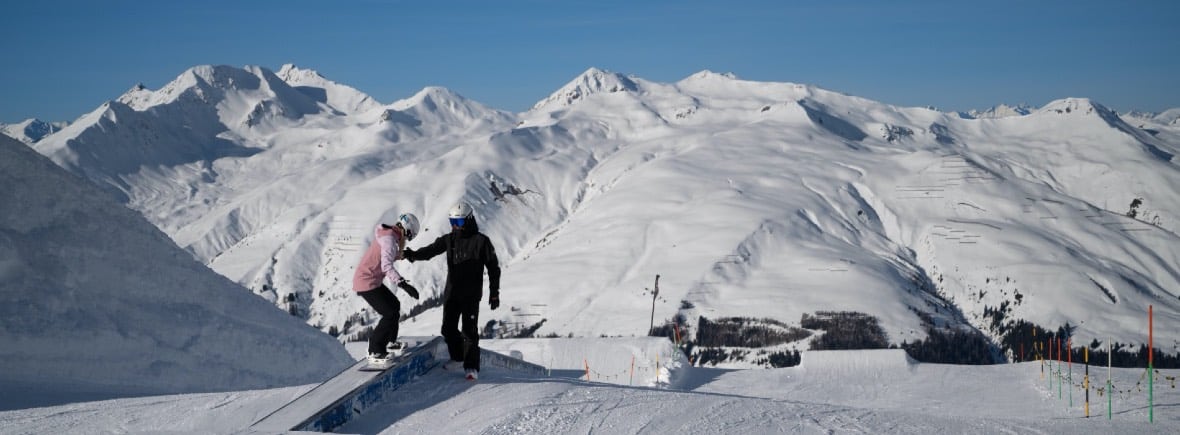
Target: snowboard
<point x="396" y="351"/>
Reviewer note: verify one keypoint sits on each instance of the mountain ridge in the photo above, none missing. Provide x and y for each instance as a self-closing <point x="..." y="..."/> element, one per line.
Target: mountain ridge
<point x="808" y="200"/>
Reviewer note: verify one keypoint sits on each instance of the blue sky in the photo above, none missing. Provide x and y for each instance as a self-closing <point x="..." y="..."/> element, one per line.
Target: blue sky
<point x="64" y="58"/>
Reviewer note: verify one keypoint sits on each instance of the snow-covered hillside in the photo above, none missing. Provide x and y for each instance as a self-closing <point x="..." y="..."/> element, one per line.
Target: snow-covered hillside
<point x="752" y="199"/>
<point x="95" y="302"/>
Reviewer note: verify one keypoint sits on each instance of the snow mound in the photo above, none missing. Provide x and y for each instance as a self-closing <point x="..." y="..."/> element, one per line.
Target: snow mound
<point x="95" y="302"/>
<point x="651" y="361"/>
<point x="841" y="363"/>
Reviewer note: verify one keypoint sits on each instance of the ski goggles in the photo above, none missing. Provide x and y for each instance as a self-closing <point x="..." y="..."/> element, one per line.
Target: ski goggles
<point x="458" y="221"/>
<point x="409" y="234"/>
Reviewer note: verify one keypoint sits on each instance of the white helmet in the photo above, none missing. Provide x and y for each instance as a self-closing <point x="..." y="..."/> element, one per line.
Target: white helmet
<point x="461" y="210"/>
<point x="460" y="215"/>
<point x="409" y="224"/>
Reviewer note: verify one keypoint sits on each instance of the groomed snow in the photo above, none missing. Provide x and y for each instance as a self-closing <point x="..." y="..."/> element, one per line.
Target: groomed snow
<point x="850" y="392"/>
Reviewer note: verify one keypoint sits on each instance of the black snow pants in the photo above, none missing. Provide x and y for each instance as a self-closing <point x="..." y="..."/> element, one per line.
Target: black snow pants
<point x="386" y="304"/>
<point x="463" y="346"/>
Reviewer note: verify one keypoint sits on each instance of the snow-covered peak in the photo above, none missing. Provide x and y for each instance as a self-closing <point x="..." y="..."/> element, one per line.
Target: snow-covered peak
<point x="593" y="81"/>
<point x="439" y="105"/>
<point x="139" y="97"/>
<point x="1075" y="106"/>
<point x="294" y="75"/>
<point x="998" y="111"/>
<point x="31" y="130"/>
<point x="1168" y="117"/>
<point x="710" y="75"/>
<point x="432" y="97"/>
<point x="241" y="95"/>
<point x="341" y="97"/>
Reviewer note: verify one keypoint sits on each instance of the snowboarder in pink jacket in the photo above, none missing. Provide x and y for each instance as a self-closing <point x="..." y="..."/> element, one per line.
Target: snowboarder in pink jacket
<point x="369" y="282"/>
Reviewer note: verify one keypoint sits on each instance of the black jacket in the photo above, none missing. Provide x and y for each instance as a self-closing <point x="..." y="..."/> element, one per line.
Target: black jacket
<point x="468" y="252"/>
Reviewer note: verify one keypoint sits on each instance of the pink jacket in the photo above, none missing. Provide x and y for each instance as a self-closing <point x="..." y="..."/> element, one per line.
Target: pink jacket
<point x="377" y="263"/>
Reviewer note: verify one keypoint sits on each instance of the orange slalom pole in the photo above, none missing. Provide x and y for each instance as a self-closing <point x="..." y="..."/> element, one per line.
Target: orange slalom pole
<point x="632" y="370"/>
<point x="587" y="364"/>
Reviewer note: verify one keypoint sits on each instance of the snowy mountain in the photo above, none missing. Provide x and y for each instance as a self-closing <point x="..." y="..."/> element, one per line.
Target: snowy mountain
<point x="749" y="199"/>
<point x="98" y="303"/>
<point x="593" y="81"/>
<point x="999" y="111"/>
<point x="31" y="130"/>
<point x="341" y="97"/>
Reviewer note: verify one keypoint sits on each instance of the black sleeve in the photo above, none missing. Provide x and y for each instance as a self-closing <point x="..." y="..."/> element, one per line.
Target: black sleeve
<point x="493" y="265"/>
<point x="429" y="251"/>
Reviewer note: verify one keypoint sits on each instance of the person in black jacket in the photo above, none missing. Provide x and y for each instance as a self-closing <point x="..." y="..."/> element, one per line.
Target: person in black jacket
<point x="468" y="253"/>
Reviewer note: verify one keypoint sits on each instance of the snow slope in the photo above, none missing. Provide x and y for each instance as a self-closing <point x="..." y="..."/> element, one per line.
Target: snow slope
<point x="832" y="392"/>
<point x="765" y="200"/>
<point x="97" y="303"/>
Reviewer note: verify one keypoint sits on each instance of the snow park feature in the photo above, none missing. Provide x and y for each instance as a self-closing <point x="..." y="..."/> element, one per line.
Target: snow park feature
<point x="355" y="391"/>
<point x="826" y="263"/>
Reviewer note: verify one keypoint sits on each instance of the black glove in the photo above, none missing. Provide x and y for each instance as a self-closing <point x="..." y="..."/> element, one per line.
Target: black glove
<point x="409" y="255"/>
<point x="494" y="300"/>
<point x="410" y="290"/>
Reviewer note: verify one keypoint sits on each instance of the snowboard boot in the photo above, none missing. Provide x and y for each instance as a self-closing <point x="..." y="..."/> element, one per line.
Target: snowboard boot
<point x="380" y="361"/>
<point x="396" y="348"/>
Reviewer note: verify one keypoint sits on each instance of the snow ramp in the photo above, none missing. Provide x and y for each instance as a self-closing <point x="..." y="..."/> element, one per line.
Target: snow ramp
<point x="352" y="392"/>
<point x="857" y="363"/>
